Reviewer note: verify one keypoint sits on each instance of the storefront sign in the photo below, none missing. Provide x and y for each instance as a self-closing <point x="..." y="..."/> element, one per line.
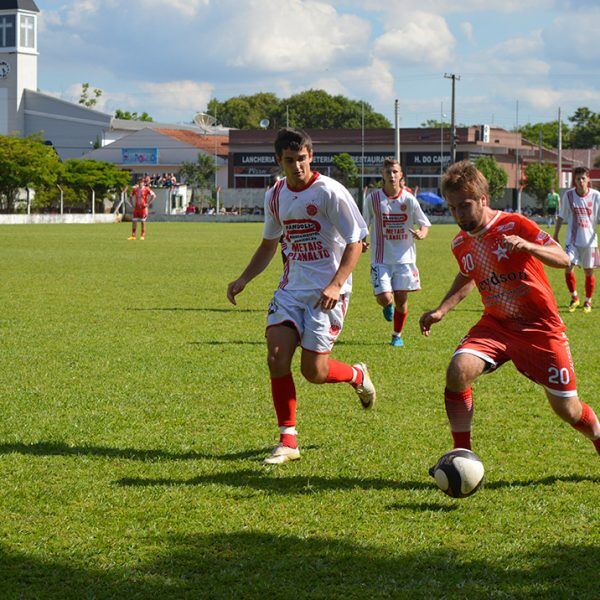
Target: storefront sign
<point x="139" y="156"/>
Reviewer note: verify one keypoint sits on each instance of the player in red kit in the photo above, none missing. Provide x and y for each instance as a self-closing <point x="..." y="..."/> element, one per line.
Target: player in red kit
<point x="502" y="254"/>
<point x="580" y="210"/>
<point x="141" y="199"/>
<point x="322" y="231"/>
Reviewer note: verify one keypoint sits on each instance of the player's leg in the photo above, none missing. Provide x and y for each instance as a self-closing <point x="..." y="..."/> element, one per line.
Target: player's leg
<point x="133" y="229"/>
<point x="400" y="314"/>
<point x="590" y="285"/>
<point x="281" y="344"/>
<point x="321" y="329"/>
<point x="578" y="414"/>
<point x="143" y="233"/>
<point x="381" y="280"/>
<point x="463" y="370"/>
<point x="572" y="286"/>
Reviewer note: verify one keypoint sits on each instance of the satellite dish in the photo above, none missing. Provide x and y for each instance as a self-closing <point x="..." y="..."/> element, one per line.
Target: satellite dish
<point x="204" y="120"/>
<point x="264" y="123"/>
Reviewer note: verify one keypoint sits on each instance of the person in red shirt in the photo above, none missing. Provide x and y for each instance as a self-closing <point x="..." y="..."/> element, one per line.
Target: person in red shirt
<point x="502" y="254"/>
<point x="141" y="199"/>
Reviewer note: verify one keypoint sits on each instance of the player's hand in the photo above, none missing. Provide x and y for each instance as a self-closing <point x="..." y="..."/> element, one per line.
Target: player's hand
<point x="416" y="233"/>
<point x="329" y="298"/>
<point x="514" y="243"/>
<point x="365" y="246"/>
<point x="428" y="319"/>
<point x="234" y="288"/>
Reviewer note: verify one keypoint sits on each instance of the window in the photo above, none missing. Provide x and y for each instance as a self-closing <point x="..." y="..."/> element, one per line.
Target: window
<point x="7" y="31"/>
<point x="27" y="32"/>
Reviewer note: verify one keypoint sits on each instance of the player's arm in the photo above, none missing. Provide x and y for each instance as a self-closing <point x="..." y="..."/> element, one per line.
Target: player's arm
<point x="559" y="222"/>
<point x="550" y="254"/>
<point x="152" y="197"/>
<point x="421" y="233"/>
<point x="331" y="294"/>
<point x="459" y="290"/>
<point x="258" y="263"/>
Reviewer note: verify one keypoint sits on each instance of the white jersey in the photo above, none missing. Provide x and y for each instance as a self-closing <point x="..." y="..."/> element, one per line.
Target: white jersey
<point x="582" y="214"/>
<point x="390" y="220"/>
<point x="317" y="223"/>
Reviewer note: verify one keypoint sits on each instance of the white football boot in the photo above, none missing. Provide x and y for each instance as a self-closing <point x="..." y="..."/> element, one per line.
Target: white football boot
<point x="282" y="454"/>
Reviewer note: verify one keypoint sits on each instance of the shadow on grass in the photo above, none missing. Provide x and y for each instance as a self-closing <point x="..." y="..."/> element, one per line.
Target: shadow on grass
<point x="263" y="565"/>
<point x="231" y="343"/>
<point x="203" y="309"/>
<point x="261" y="479"/>
<point x="423" y="506"/>
<point x="62" y="449"/>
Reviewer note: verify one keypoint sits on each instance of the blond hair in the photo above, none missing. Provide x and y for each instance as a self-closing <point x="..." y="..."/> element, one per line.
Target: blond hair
<point x="464" y="176"/>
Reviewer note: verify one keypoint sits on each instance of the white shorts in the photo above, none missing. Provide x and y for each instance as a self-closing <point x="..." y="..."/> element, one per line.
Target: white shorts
<point x="402" y="277"/>
<point x="138" y="219"/>
<point x="317" y="329"/>
<point x="583" y="256"/>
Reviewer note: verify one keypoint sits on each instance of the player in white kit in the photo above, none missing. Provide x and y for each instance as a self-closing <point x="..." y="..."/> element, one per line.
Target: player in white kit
<point x="322" y="229"/>
<point x="580" y="210"/>
<point x="396" y="221"/>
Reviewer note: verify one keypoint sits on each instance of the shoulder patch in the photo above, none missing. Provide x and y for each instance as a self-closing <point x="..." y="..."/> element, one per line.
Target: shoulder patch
<point x="457" y="241"/>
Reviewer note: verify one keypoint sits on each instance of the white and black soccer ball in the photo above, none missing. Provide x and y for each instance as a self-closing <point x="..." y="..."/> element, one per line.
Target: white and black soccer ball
<point x="458" y="473"/>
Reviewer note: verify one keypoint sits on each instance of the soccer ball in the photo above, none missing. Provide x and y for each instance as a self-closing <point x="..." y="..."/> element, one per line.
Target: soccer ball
<point x="458" y="473"/>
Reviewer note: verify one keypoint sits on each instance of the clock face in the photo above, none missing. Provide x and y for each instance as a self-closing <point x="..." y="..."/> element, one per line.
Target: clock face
<point x="4" y="69"/>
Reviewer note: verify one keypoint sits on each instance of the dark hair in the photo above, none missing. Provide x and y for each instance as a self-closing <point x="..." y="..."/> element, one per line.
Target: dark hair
<point x="390" y="161"/>
<point x="291" y="139"/>
<point x="580" y="171"/>
<point x="464" y="176"/>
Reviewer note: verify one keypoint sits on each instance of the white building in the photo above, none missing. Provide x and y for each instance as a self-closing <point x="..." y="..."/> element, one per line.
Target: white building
<point x="73" y="129"/>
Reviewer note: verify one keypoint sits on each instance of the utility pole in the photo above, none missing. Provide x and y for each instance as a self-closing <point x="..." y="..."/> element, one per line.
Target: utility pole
<point x="397" y="133"/>
<point x="517" y="160"/>
<point x="454" y="78"/>
<point x="560" y="179"/>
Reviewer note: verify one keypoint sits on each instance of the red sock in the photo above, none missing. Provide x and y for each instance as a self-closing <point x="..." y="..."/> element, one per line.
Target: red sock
<point x="459" y="408"/>
<point x="589" y="426"/>
<point x="342" y="372"/>
<point x="399" y="320"/>
<point x="571" y="283"/>
<point x="288" y="439"/>
<point x="284" y="400"/>
<point x="590" y="284"/>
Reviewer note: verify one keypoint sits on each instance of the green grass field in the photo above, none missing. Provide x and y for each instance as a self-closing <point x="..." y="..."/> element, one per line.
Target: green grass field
<point x="136" y="410"/>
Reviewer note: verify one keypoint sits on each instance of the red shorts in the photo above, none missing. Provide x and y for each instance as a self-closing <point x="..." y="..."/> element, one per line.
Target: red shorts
<point x="140" y="213"/>
<point x="542" y="356"/>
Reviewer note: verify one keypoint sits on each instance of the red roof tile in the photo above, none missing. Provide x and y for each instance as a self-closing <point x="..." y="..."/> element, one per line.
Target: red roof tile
<point x="209" y="143"/>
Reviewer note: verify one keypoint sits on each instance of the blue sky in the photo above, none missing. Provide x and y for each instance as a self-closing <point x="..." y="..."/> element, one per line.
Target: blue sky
<point x="170" y="57"/>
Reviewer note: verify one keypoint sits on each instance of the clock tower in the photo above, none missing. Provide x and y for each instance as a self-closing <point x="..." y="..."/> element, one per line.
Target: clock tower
<point x="18" y="61"/>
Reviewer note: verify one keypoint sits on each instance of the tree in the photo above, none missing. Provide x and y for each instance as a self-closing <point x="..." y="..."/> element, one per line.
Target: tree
<point x="435" y="124"/>
<point x="84" y="175"/>
<point x="132" y="116"/>
<point x="316" y="109"/>
<point x="597" y="161"/>
<point x="348" y="169"/>
<point x="496" y="175"/>
<point x="199" y="174"/>
<point x="531" y="132"/>
<point x="586" y="128"/>
<point x="25" y="163"/>
<point x="86" y="99"/>
<point x="540" y="179"/>
<point x="312" y="109"/>
<point x="246" y="112"/>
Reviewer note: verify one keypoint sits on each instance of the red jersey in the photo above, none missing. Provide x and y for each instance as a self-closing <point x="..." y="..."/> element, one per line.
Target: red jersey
<point x="513" y="286"/>
<point x="140" y="196"/>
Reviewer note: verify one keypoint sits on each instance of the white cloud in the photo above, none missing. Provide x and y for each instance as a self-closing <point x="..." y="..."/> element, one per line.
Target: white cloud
<point x="189" y="8"/>
<point x="423" y="38"/>
<point x="572" y="38"/>
<point x="178" y="95"/>
<point x="467" y="30"/>
<point x="547" y="97"/>
<point x="290" y="35"/>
